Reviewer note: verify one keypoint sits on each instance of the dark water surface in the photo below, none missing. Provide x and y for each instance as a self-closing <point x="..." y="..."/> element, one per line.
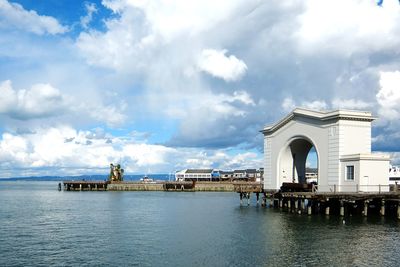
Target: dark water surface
<point x="40" y="226"/>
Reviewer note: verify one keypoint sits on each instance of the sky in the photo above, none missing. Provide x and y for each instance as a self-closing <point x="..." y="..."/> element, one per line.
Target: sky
<point x="160" y="86"/>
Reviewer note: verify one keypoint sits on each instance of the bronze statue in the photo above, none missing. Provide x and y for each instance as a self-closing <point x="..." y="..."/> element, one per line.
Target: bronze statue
<point x="116" y="173"/>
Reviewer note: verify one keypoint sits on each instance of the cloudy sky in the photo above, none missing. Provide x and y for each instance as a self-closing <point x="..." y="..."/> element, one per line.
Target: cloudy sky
<point x="164" y="85"/>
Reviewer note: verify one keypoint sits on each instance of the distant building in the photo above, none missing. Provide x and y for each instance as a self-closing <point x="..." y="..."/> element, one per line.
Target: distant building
<point x="311" y="175"/>
<point x="226" y="175"/>
<point x="219" y="175"/>
<point x="196" y="175"/>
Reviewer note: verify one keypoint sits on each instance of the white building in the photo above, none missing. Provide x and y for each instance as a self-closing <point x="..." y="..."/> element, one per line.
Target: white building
<point x="194" y="175"/>
<point x="342" y="141"/>
<point x="394" y="175"/>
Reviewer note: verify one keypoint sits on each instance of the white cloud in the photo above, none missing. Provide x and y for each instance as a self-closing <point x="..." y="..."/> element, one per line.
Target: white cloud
<point x="13" y="15"/>
<point x="288" y="104"/>
<point x="90" y="9"/>
<point x="56" y="150"/>
<point x="216" y="63"/>
<point x="388" y="96"/>
<point x="41" y="100"/>
<point x="348" y="26"/>
<point x="350" y="104"/>
<point x="172" y="18"/>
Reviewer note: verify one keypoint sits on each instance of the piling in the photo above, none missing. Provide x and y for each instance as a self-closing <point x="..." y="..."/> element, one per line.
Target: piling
<point x="341" y="208"/>
<point x="327" y="209"/>
<point x="382" y="212"/>
<point x="309" y="208"/>
<point x="365" y="208"/>
<point x="398" y="211"/>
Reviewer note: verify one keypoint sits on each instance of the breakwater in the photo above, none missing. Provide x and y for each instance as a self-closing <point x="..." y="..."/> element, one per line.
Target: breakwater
<point x="154" y="186"/>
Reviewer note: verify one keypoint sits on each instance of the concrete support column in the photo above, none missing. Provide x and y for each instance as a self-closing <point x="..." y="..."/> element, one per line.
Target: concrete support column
<point x="341" y="208"/>
<point x="365" y="208"/>
<point x="398" y="210"/>
<point x="303" y="207"/>
<point x="289" y="204"/>
<point x="383" y="208"/>
<point x="80" y="187"/>
<point x="296" y="204"/>
<point x="309" y="208"/>
<point x="248" y="199"/>
<point x="327" y="209"/>
<point x="280" y="203"/>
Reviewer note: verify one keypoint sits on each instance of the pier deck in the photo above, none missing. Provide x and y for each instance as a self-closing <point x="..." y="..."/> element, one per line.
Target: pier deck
<point x="85" y="185"/>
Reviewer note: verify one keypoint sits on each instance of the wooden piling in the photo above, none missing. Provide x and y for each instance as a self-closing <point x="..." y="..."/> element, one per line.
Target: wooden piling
<point x="398" y="211"/>
<point x="382" y="212"/>
<point x="327" y="209"/>
<point x="366" y="208"/>
<point x="341" y="208"/>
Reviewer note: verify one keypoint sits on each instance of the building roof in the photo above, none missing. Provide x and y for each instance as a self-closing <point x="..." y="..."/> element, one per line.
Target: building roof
<point x="319" y="115"/>
<point x="199" y="171"/>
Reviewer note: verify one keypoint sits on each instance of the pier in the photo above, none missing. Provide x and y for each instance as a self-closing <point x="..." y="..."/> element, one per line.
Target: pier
<point x="384" y="203"/>
<point x="85" y="185"/>
<point x="170" y="186"/>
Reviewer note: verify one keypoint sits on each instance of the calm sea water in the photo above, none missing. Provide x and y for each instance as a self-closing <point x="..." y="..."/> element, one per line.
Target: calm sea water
<point x="40" y="226"/>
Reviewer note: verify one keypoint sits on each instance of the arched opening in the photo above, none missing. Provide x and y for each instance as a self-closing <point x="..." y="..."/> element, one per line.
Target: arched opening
<point x="298" y="162"/>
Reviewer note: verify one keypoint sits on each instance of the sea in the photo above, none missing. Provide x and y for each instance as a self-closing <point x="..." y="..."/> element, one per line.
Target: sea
<point x="40" y="226"/>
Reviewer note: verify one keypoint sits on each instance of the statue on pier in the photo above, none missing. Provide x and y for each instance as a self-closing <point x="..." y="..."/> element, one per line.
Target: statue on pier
<point x="116" y="173"/>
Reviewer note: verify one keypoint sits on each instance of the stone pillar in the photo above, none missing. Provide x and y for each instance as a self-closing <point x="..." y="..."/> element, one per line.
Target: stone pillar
<point x="365" y="208"/>
<point x="80" y="187"/>
<point x="309" y="208"/>
<point x="383" y="208"/>
<point x="289" y="204"/>
<point x="341" y="208"/>
<point x="280" y="203"/>
<point x="296" y="204"/>
<point x="303" y="207"/>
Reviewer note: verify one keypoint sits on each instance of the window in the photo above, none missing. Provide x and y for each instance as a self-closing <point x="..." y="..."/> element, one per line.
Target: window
<point x="350" y="172"/>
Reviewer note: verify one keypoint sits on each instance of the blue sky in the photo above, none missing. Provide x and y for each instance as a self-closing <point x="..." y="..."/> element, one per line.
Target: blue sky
<point x="166" y="85"/>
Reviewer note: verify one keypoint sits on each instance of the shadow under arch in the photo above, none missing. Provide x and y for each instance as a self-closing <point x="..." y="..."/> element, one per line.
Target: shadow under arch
<point x="292" y="159"/>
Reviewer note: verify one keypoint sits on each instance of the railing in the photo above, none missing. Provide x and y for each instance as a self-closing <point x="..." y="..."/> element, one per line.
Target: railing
<point x="247" y="187"/>
<point x="355" y="188"/>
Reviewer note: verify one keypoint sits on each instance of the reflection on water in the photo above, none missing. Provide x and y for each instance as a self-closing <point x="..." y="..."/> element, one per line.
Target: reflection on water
<point x="41" y="226"/>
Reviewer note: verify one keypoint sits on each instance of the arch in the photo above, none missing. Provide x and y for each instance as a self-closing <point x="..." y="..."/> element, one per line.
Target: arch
<point x="291" y="164"/>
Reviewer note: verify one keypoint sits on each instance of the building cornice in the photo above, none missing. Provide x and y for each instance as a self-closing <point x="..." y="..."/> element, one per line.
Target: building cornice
<point x="321" y="116"/>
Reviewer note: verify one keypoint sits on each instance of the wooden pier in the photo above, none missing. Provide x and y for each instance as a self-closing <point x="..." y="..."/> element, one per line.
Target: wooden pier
<point x="85" y="185"/>
<point x="327" y="203"/>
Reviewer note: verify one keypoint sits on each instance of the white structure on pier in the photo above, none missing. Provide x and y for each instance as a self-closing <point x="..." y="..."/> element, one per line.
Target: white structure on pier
<point x="342" y="141"/>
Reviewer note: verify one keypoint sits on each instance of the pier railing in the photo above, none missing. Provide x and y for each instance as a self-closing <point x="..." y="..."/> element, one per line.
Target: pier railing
<point x="354" y="188"/>
<point x="246" y="187"/>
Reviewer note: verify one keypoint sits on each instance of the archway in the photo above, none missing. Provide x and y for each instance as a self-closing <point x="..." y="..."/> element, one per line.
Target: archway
<point x="292" y="163"/>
